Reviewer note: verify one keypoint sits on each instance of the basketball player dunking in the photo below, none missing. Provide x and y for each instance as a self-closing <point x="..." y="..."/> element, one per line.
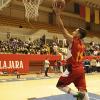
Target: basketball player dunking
<point x="77" y="73"/>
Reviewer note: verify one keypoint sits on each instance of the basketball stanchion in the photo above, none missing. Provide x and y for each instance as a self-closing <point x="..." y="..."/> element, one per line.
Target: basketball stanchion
<point x="4" y="3"/>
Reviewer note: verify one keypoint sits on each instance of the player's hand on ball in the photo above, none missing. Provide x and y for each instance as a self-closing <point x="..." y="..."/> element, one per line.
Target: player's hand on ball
<point x="58" y="5"/>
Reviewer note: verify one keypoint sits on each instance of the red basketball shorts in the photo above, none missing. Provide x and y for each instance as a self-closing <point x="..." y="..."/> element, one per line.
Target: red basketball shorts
<point x="77" y="77"/>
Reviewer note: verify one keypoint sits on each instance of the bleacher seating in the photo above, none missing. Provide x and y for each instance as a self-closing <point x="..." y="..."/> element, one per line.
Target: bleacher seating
<point x="8" y="21"/>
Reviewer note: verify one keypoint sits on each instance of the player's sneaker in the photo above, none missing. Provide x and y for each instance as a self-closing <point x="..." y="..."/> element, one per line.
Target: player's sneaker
<point x="79" y="96"/>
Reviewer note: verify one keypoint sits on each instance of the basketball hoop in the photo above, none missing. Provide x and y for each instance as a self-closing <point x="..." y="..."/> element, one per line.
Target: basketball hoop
<point x="31" y="9"/>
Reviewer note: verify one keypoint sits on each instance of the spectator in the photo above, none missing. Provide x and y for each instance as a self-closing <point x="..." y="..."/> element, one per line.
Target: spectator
<point x="17" y="74"/>
<point x="98" y="65"/>
<point x="93" y="64"/>
<point x="56" y="66"/>
<point x="46" y="66"/>
<point x="55" y="48"/>
<point x="87" y="66"/>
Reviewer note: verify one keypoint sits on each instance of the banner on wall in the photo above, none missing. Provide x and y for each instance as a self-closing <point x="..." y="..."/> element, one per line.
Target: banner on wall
<point x="87" y="14"/>
<point x="11" y="64"/>
<point x="97" y="17"/>
<point x="21" y="62"/>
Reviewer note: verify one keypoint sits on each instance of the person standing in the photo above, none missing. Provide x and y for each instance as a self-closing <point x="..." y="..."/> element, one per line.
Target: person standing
<point x="87" y="65"/>
<point x="98" y="65"/>
<point x="46" y="66"/>
<point x="93" y="64"/>
<point x="77" y="73"/>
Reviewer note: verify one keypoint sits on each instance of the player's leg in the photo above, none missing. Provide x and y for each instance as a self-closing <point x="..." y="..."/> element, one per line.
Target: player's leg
<point x="63" y="83"/>
<point x="46" y="71"/>
<point x="68" y="90"/>
<point x="80" y="83"/>
<point x="82" y="95"/>
<point x="86" y="96"/>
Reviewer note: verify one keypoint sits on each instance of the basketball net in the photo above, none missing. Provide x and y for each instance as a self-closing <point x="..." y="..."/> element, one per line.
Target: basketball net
<point x="31" y="9"/>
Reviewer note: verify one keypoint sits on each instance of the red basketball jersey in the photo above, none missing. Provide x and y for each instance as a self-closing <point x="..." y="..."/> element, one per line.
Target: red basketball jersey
<point x="77" y="51"/>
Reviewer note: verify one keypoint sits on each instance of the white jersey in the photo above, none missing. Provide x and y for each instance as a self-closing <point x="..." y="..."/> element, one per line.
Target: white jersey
<point x="46" y="63"/>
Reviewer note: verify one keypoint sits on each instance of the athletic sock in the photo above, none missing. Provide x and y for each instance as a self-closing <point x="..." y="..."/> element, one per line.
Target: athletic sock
<point x="86" y="97"/>
<point x="68" y="90"/>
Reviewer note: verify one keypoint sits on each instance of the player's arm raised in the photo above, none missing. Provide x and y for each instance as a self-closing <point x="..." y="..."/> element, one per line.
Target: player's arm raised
<point x="60" y="22"/>
<point x="63" y="29"/>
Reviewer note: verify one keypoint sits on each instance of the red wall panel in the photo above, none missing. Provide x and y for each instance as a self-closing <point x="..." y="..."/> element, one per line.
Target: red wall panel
<point x="20" y="62"/>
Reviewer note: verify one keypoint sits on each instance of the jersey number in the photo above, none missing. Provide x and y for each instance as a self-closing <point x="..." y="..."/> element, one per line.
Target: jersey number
<point x="79" y="56"/>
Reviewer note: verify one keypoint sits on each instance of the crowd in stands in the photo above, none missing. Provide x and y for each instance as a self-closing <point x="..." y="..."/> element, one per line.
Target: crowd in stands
<point x="92" y="65"/>
<point x="15" y="45"/>
<point x="38" y="46"/>
<point x="92" y="49"/>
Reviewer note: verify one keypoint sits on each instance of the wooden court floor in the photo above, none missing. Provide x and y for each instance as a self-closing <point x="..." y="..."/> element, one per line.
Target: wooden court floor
<point x="22" y="90"/>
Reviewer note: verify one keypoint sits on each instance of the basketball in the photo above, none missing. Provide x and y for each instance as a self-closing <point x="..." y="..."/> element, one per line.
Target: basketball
<point x="60" y="3"/>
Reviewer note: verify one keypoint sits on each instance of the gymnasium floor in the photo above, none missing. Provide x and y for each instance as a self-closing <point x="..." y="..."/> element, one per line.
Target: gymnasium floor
<point x="31" y="86"/>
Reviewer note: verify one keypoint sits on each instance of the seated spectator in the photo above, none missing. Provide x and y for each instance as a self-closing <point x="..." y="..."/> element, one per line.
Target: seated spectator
<point x="87" y="66"/>
<point x="1" y="73"/>
<point x="5" y="72"/>
<point x="98" y="65"/>
<point x="55" y="48"/>
<point x="93" y="64"/>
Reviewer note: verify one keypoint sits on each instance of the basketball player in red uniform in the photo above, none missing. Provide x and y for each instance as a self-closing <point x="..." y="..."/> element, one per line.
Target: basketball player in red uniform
<point x="77" y="73"/>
